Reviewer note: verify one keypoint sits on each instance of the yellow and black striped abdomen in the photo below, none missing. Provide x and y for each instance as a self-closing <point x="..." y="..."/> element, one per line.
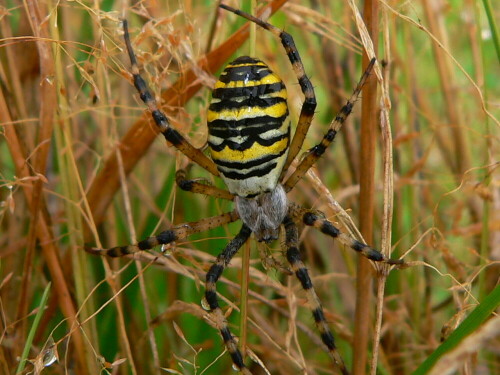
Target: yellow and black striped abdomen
<point x="248" y="127"/>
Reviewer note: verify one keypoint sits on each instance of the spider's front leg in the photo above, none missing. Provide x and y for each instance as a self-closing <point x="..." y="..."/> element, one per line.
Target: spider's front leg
<point x="309" y="104"/>
<point x="294" y="258"/>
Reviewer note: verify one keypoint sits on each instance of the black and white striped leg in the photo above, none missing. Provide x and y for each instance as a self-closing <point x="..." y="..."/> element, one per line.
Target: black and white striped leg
<point x="161" y="120"/>
<point x="317" y="151"/>
<point x="325" y="226"/>
<point x="176" y="233"/>
<point x="212" y="277"/>
<point x="309" y="104"/>
<point x="294" y="258"/>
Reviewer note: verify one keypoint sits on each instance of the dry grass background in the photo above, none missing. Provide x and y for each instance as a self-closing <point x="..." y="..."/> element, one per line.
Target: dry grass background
<point x="80" y="163"/>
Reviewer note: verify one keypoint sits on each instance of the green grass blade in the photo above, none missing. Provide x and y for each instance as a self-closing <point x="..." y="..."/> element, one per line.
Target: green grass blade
<point x="493" y="26"/>
<point x="34" y="326"/>
<point x="468" y="326"/>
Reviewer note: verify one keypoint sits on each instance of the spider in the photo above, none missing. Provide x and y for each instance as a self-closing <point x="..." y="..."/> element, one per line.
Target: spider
<point x="251" y="149"/>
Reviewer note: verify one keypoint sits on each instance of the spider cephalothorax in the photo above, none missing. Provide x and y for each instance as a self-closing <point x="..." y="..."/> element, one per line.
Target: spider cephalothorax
<point x="251" y="149"/>
<point x="264" y="213"/>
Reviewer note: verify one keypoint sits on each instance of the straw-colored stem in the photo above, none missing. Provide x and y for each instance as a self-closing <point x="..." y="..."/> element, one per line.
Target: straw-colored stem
<point x="369" y="117"/>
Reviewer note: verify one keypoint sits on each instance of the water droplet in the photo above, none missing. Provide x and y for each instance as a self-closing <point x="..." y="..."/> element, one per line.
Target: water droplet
<point x="49" y="353"/>
<point x="50" y="79"/>
<point x="166" y="250"/>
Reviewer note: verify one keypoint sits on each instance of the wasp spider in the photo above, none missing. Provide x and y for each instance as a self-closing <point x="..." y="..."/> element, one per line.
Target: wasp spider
<point x="251" y="148"/>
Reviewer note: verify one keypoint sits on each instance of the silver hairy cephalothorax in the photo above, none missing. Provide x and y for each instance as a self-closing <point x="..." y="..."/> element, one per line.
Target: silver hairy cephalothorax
<point x="264" y="213"/>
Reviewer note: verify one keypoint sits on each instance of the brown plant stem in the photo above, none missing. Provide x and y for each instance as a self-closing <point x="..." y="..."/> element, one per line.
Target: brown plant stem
<point x="366" y="198"/>
<point x="45" y="236"/>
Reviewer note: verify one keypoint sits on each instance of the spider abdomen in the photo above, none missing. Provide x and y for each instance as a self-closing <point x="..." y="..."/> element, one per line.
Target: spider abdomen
<point x="248" y="127"/>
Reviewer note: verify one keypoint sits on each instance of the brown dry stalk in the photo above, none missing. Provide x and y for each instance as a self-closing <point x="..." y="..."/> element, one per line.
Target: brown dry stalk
<point x="387" y="216"/>
<point x="47" y="108"/>
<point x="369" y="117"/>
<point x="40" y="222"/>
<point x="45" y="236"/>
<point x="447" y="81"/>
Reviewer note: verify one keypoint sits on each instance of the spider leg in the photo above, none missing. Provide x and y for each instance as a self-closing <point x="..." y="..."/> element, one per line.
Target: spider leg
<point x="212" y="277"/>
<point x="176" y="233"/>
<point x="161" y="120"/>
<point x="315" y="153"/>
<point x="325" y="226"/>
<point x="298" y="267"/>
<point x="200" y="188"/>
<point x="309" y="104"/>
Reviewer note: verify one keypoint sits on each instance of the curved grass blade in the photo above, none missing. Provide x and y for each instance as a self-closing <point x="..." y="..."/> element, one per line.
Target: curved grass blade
<point x="480" y="314"/>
